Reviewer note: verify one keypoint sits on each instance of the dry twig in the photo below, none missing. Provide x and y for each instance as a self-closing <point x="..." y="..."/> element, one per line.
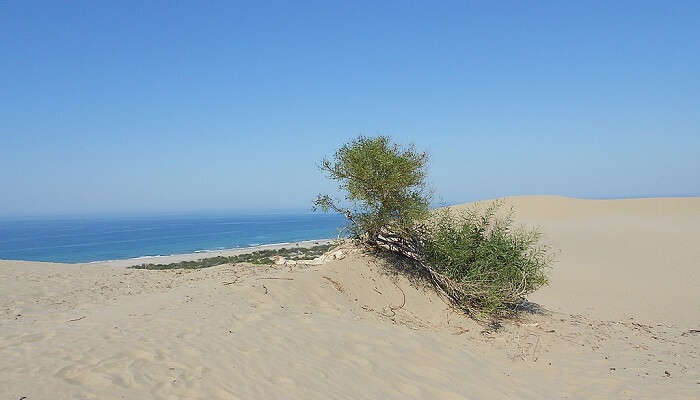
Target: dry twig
<point x="282" y="279"/>
<point x="336" y="284"/>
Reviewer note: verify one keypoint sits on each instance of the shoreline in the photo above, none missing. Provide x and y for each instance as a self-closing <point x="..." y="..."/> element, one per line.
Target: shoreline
<point x="172" y="258"/>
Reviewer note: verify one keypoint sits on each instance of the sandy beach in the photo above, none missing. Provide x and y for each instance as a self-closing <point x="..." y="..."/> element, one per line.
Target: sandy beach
<point x="620" y="319"/>
<point x="211" y="253"/>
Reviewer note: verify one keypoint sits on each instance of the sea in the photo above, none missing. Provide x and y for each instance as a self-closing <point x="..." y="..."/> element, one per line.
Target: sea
<point x="80" y="240"/>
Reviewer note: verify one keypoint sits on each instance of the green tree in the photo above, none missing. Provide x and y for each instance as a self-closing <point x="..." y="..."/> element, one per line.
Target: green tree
<point x="476" y="259"/>
<point x="384" y="185"/>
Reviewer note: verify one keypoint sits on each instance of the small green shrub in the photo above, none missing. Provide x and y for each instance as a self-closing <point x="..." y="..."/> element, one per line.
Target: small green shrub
<point x="256" y="257"/>
<point x="486" y="264"/>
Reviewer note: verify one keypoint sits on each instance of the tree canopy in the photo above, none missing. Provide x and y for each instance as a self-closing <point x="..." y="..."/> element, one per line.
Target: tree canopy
<point x="384" y="184"/>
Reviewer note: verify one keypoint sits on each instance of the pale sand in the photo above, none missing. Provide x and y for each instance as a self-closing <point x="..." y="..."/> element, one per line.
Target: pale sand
<point x="343" y="330"/>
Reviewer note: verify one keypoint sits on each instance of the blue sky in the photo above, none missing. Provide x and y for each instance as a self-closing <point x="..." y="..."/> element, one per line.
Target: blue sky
<point x="131" y="107"/>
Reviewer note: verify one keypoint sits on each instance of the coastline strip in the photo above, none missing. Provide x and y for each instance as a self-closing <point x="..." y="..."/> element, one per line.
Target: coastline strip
<point x="128" y="262"/>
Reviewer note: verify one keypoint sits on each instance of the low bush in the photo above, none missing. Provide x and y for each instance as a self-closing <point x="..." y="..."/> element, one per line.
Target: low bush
<point x="482" y="261"/>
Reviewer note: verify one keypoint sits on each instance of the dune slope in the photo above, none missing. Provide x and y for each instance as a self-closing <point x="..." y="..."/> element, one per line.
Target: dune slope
<point x="345" y="329"/>
<point x="620" y="259"/>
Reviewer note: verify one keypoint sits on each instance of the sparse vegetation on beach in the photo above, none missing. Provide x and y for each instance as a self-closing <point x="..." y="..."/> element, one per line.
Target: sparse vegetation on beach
<point x="255" y="257"/>
<point x="478" y="260"/>
<point x="484" y="263"/>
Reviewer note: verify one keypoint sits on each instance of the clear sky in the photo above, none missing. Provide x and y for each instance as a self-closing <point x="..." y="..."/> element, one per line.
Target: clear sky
<point x="182" y="106"/>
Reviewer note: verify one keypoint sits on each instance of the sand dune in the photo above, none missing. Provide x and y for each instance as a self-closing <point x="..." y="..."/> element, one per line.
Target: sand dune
<point x="618" y="259"/>
<point x="350" y="329"/>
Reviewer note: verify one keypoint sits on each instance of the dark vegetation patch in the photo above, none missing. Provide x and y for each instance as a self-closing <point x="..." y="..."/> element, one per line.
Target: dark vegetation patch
<point x="256" y="257"/>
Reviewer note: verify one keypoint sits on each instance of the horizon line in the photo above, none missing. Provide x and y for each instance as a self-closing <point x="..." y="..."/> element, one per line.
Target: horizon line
<point x="288" y="210"/>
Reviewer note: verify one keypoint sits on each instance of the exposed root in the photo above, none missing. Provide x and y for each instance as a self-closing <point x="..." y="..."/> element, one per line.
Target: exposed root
<point x="336" y="284"/>
<point x="404" y="299"/>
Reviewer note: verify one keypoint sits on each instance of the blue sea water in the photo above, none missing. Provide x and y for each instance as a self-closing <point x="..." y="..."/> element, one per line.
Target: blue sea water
<point x="76" y="240"/>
